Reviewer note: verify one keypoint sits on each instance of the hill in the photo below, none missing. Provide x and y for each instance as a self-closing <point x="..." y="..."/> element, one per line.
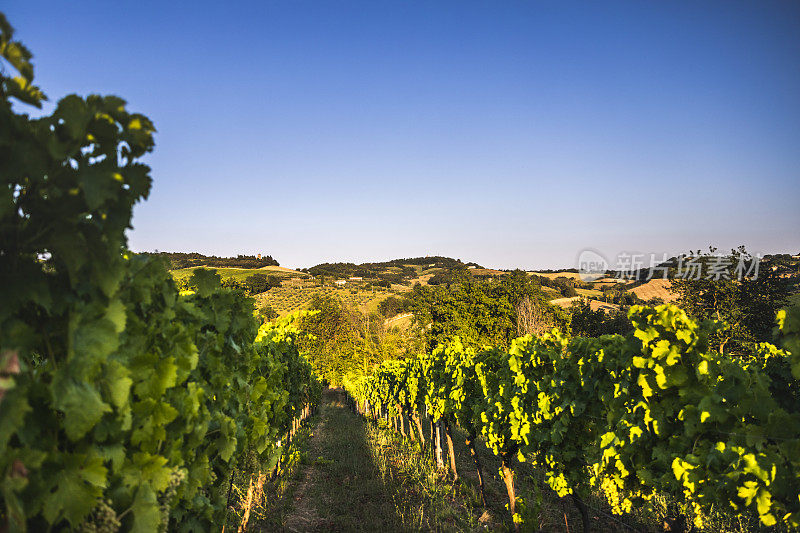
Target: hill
<point x="190" y="259"/>
<point x="241" y="274"/>
<point x="394" y="272"/>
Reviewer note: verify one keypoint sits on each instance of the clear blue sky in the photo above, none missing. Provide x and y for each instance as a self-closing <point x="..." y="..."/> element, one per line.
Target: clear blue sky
<point x="513" y="134"/>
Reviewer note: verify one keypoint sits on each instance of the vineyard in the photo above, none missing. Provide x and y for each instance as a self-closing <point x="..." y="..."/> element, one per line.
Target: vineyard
<point x="296" y="290"/>
<point x="290" y="298"/>
<point x="652" y="413"/>
<point x="135" y="397"/>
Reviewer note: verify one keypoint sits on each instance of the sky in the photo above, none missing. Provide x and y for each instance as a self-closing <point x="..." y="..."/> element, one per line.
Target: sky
<point x="512" y="134"/>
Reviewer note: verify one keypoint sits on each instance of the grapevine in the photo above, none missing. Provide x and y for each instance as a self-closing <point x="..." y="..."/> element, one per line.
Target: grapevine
<point x="653" y="412"/>
<point x="123" y="404"/>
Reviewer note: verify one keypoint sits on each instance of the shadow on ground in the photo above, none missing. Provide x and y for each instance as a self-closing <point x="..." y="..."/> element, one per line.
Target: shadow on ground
<point x="340" y="488"/>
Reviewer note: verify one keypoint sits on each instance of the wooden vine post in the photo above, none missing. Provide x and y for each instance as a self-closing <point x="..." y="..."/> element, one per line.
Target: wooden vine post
<point x="439" y="458"/>
<point x="508" y="479"/>
<point x="451" y="450"/>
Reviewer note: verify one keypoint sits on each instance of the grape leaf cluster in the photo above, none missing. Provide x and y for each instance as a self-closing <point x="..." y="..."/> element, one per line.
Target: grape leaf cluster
<point x="653" y="412"/>
<point x="123" y="404"/>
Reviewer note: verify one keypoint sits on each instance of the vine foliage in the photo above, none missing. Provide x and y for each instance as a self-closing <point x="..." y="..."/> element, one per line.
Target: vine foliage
<point x="123" y="404"/>
<point x="654" y="412"/>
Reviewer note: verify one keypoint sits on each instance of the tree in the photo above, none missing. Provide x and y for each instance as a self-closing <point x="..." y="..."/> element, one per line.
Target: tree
<point x="588" y="323"/>
<point x="336" y="338"/>
<point x="451" y="276"/>
<point x="746" y="306"/>
<point x="568" y="291"/>
<point x="532" y="319"/>
<point x="392" y="306"/>
<point x="185" y="260"/>
<point x="258" y="283"/>
<point x="342" y="338"/>
<point x="481" y="312"/>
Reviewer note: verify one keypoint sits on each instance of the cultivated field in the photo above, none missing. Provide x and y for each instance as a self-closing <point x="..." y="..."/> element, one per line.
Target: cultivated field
<point x="655" y="288"/>
<point x="293" y="296"/>
<point x="241" y="274"/>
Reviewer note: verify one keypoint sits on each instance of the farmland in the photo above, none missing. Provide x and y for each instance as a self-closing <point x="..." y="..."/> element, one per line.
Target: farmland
<point x="151" y="391"/>
<point x="291" y="297"/>
<point x="241" y="274"/>
<point x="298" y="289"/>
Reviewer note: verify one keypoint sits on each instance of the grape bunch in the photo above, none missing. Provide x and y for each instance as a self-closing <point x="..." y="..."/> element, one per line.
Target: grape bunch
<point x="103" y="519"/>
<point x="175" y="479"/>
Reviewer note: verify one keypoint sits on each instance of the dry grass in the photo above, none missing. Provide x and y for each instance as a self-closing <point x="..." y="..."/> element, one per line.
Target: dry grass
<point x="655" y="288"/>
<point x="286" y="270"/>
<point x="612" y="281"/>
<point x="591" y="293"/>
<point x="485" y="272"/>
<point x="401" y="321"/>
<point x="565" y="302"/>
<point x="554" y="275"/>
<point x="594" y="305"/>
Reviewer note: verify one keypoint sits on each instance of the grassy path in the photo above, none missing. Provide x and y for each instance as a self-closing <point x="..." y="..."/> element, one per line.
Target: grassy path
<point x="340" y="488"/>
<point x="356" y="476"/>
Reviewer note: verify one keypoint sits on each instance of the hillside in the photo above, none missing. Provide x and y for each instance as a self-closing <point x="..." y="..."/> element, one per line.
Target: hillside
<point x="594" y="305"/>
<point x="396" y="271"/>
<point x="293" y="296"/>
<point x="194" y="259"/>
<point x="655" y="288"/>
<point x="241" y="274"/>
<point x="365" y="285"/>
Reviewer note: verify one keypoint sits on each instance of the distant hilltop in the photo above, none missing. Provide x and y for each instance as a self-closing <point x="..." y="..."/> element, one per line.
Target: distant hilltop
<point x="194" y="259"/>
<point x="386" y="273"/>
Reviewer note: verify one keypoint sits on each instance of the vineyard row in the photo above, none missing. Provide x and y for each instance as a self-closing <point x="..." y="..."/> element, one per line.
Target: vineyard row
<point x="654" y="412"/>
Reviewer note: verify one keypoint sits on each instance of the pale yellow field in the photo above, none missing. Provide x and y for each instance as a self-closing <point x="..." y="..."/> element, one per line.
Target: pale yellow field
<point x="565" y="302"/>
<point x="485" y="272"/>
<point x="594" y="305"/>
<point x="655" y="288"/>
<point x="554" y="275"/>
<point x="285" y="270"/>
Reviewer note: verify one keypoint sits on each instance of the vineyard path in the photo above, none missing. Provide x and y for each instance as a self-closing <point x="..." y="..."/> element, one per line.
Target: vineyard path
<point x="339" y="488"/>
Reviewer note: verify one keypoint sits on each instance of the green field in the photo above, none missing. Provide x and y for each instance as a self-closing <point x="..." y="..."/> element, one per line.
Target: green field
<point x="551" y="292"/>
<point x="239" y="274"/>
<point x="288" y="297"/>
<point x="293" y="294"/>
<point x="589" y="292"/>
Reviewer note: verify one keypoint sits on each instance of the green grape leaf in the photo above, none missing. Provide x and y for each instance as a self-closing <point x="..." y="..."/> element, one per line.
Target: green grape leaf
<point x="146" y="512"/>
<point x="15" y="407"/>
<point x="82" y="407"/>
<point x="118" y="383"/>
<point x="206" y="281"/>
<point x="77" y="488"/>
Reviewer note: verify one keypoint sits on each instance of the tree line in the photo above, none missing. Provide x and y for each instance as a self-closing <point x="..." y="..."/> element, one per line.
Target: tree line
<point x="193" y="259"/>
